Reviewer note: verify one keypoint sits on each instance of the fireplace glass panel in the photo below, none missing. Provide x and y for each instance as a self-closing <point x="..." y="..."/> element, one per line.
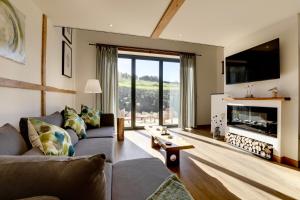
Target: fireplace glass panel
<point x="261" y="120"/>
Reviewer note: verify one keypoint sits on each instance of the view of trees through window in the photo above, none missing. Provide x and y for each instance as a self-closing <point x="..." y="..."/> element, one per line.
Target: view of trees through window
<point x="146" y="89"/>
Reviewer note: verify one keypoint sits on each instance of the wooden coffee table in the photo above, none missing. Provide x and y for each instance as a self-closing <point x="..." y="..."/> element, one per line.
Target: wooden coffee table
<point x="172" y="150"/>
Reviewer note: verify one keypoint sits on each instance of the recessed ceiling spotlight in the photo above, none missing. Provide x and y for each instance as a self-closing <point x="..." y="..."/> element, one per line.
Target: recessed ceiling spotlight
<point x="110" y="25"/>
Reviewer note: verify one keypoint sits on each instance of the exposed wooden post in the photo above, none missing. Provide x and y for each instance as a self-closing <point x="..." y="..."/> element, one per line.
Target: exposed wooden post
<point x="43" y="65"/>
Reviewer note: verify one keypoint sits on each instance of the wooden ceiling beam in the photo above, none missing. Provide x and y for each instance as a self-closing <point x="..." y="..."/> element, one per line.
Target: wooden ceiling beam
<point x="167" y="17"/>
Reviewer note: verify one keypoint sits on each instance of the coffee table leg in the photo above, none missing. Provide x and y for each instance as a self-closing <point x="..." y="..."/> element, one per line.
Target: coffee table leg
<point x="153" y="144"/>
<point x="172" y="158"/>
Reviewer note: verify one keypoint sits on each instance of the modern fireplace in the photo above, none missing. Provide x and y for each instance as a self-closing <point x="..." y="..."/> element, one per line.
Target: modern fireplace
<point x="262" y="120"/>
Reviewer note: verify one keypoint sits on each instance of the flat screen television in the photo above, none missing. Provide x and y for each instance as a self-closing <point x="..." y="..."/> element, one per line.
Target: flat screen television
<point x="256" y="64"/>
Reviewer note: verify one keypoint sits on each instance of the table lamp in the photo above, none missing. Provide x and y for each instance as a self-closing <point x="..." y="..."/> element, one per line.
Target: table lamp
<point x="92" y="86"/>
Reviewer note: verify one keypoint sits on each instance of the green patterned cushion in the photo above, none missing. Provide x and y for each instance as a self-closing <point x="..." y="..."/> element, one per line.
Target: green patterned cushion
<point x="90" y="116"/>
<point x="73" y="121"/>
<point x="50" y="139"/>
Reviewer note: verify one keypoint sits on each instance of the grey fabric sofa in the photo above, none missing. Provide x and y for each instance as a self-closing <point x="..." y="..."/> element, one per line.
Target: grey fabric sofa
<point x="99" y="140"/>
<point x="125" y="180"/>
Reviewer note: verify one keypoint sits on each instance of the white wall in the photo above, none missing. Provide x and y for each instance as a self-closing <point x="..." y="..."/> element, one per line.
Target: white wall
<point x="207" y="65"/>
<point x="288" y="84"/>
<point x="16" y="103"/>
<point x="57" y="101"/>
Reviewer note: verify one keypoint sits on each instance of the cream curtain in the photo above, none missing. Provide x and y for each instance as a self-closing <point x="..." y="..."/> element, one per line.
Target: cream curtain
<point x="187" y="91"/>
<point x="107" y="73"/>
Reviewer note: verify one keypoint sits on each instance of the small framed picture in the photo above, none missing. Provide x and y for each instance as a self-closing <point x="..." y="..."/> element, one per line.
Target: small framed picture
<point x="67" y="33"/>
<point x="66" y="60"/>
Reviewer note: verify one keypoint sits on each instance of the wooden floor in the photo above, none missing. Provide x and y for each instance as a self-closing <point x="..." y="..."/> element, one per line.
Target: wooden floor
<point x="216" y="170"/>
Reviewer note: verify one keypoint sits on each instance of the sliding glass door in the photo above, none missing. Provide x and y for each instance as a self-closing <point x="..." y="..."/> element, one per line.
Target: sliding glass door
<point x="171" y="93"/>
<point x="148" y="90"/>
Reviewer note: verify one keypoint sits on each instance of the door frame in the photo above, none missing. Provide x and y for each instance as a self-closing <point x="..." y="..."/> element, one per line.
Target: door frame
<point x="133" y="86"/>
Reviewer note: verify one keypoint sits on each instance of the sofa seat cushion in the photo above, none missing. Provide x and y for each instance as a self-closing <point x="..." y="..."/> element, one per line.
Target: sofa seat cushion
<point x="108" y="177"/>
<point x="34" y="152"/>
<point x="62" y="177"/>
<point x="137" y="179"/>
<point x="103" y="132"/>
<point x="95" y="146"/>
<point x="11" y="141"/>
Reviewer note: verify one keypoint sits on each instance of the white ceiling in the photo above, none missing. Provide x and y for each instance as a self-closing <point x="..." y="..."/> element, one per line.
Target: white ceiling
<point x="214" y="22"/>
<point x="134" y="17"/>
<point x="219" y="22"/>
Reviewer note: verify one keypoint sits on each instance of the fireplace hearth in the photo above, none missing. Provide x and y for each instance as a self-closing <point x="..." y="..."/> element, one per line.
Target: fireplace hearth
<point x="262" y="120"/>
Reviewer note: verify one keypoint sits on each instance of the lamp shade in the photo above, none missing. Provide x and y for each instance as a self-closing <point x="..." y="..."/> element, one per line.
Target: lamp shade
<point x="92" y="86"/>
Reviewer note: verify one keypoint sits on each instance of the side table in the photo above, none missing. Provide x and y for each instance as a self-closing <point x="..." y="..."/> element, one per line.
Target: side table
<point x="120" y="129"/>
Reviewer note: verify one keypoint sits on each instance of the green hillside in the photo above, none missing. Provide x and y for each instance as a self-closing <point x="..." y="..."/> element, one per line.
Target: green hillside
<point x="148" y="85"/>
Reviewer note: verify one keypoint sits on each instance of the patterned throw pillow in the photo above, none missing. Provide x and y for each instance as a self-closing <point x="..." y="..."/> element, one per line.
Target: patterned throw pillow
<point x="50" y="139"/>
<point x="90" y="116"/>
<point x="73" y="121"/>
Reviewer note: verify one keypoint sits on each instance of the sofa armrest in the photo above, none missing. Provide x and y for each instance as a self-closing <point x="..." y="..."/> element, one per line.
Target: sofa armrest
<point x="107" y="119"/>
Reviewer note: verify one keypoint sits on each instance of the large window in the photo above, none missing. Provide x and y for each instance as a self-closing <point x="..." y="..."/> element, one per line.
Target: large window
<point x="149" y="91"/>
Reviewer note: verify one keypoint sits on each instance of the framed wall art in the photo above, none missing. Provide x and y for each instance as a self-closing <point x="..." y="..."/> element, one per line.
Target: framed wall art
<point x="67" y="33"/>
<point x="12" y="32"/>
<point x="66" y="60"/>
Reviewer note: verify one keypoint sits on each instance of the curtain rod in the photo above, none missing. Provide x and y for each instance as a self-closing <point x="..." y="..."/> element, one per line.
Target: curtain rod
<point x="145" y="50"/>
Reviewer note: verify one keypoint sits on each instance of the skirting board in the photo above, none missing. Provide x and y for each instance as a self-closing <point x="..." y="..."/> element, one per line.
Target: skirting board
<point x="286" y="160"/>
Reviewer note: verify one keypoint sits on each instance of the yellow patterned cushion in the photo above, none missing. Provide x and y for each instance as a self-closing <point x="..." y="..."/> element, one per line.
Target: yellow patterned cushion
<point x="90" y="116"/>
<point x="50" y="139"/>
<point x="73" y="121"/>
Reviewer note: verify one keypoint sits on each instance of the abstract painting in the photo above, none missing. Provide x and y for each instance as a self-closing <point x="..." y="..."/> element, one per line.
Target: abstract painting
<point x="66" y="60"/>
<point x="12" y="32"/>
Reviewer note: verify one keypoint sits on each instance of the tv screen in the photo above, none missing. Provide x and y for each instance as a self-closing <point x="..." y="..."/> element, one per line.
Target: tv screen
<point x="256" y="64"/>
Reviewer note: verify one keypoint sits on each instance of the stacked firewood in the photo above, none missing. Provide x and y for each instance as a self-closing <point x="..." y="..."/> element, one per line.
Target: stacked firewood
<point x="259" y="148"/>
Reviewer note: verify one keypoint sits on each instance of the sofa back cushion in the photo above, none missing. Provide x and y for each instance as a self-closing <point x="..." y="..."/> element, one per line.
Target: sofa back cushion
<point x="55" y="119"/>
<point x="73" y="135"/>
<point x="62" y="177"/>
<point x="11" y="141"/>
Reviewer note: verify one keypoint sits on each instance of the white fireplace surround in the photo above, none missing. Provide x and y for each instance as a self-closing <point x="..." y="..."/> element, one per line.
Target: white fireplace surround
<point x="219" y="106"/>
<point x="276" y="142"/>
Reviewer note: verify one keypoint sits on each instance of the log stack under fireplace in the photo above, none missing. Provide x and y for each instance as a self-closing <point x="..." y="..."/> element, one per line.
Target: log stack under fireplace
<point x="259" y="148"/>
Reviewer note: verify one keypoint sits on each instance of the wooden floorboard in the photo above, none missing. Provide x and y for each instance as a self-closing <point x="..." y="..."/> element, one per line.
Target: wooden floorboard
<point x="216" y="170"/>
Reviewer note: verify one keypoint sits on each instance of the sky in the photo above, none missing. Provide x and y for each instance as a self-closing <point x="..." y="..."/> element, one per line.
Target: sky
<point x="151" y="68"/>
